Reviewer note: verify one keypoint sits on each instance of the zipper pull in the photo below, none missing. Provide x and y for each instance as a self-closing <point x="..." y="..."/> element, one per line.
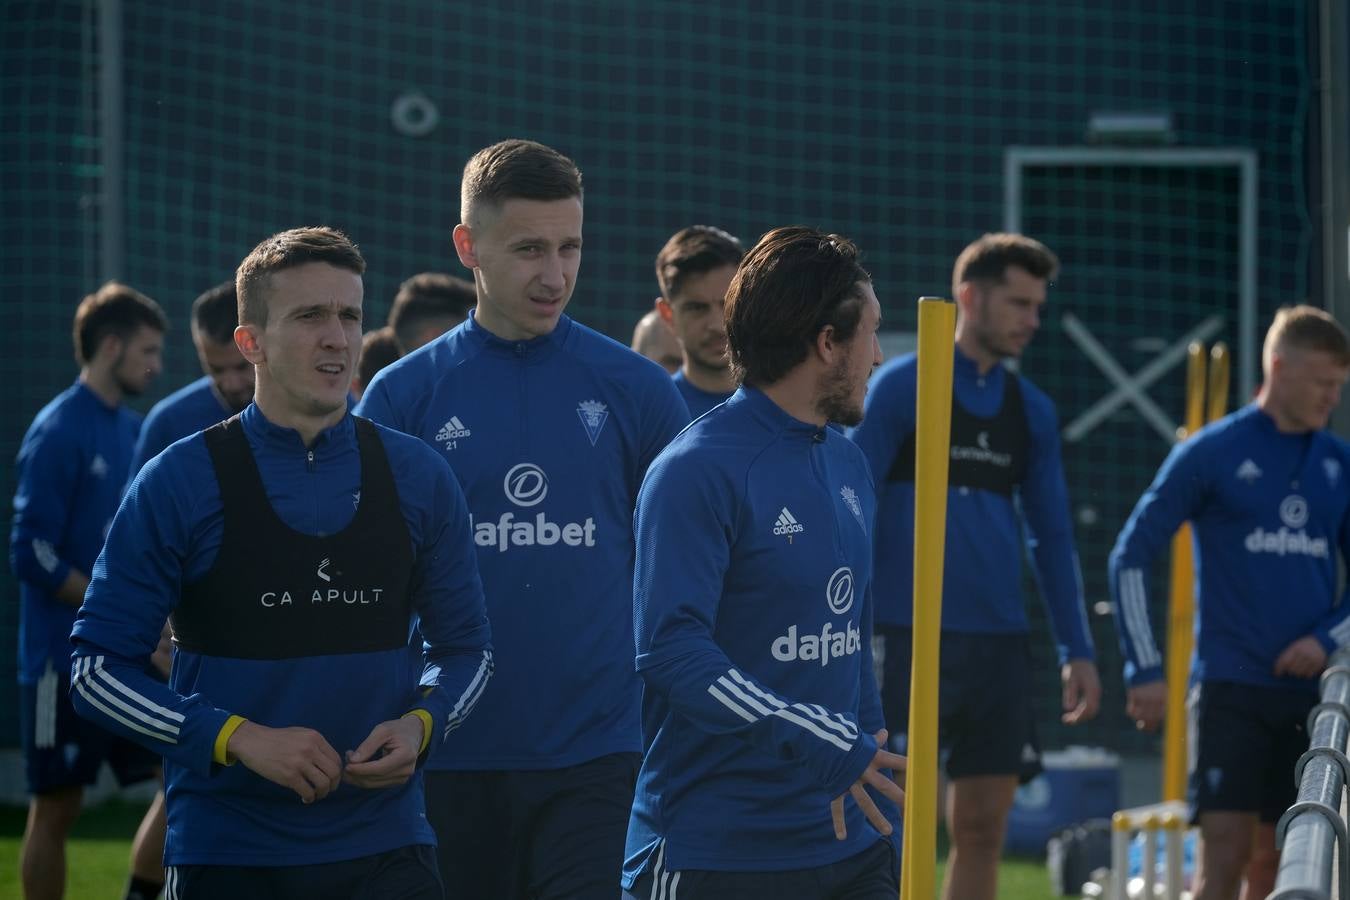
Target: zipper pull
<point x="309" y="460"/>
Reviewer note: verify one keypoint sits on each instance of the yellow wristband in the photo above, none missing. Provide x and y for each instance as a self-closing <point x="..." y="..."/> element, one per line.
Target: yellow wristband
<point x="426" y="727"/>
<point x="219" y="754"/>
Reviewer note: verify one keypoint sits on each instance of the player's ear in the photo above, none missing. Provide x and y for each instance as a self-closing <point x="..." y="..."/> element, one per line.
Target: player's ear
<point x="827" y="345"/>
<point x="664" y="310"/>
<point x="965" y="297"/>
<point x="246" y="339"/>
<point x="464" y="246"/>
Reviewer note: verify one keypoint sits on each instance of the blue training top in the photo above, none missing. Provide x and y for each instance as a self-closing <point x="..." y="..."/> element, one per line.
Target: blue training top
<point x="166" y="535"/>
<point x="754" y="640"/>
<point x="981" y="589"/>
<point x="550" y="439"/>
<point x="186" y="411"/>
<point x="71" y="470"/>
<point x="1268" y="511"/>
<point x="698" y="400"/>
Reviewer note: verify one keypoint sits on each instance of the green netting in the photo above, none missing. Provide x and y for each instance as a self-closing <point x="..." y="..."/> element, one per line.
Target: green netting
<point x="886" y="121"/>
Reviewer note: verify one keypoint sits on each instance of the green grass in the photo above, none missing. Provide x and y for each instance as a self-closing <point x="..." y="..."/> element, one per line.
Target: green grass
<point x="100" y="848"/>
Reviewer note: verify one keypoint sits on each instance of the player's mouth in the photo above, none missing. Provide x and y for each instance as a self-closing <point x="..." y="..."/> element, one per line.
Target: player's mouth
<point x="333" y="369"/>
<point x="548" y="303"/>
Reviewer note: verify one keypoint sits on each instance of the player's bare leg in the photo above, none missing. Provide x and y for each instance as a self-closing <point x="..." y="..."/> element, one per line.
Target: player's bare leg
<point x="977" y="819"/>
<point x="147" y="848"/>
<point x="1225" y="848"/>
<point x="42" y="856"/>
<point x="1265" y="862"/>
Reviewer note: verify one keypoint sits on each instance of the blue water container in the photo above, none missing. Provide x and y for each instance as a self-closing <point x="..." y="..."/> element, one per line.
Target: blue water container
<point x="1079" y="783"/>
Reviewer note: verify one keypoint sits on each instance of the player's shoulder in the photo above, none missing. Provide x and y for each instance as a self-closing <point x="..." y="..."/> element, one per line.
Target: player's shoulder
<point x="178" y="472"/>
<point x="613" y="359"/>
<point x="62" y="419"/>
<point x="898" y="370"/>
<point x="191" y="394"/>
<point x="1040" y="409"/>
<point x="409" y="457"/>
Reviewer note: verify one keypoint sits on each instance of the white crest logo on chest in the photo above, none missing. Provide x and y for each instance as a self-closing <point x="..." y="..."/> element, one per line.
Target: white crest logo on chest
<point x="593" y="415"/>
<point x="1248" y="471"/>
<point x="1332" y="468"/>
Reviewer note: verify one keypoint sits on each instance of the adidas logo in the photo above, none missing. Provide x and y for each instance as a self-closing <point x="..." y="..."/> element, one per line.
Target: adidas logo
<point x="786" y="524"/>
<point x="99" y="467"/>
<point x="453" y="430"/>
<point x="1248" y="471"/>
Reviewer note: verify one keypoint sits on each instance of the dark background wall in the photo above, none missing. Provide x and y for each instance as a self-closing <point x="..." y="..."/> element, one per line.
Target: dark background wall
<point x="884" y="121"/>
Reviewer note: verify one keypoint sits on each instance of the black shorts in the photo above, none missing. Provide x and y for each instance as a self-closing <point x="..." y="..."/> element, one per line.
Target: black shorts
<point x="870" y="875"/>
<point x="408" y="873"/>
<point x="533" y="835"/>
<point x="62" y="750"/>
<point x="985" y="724"/>
<point x="1245" y="742"/>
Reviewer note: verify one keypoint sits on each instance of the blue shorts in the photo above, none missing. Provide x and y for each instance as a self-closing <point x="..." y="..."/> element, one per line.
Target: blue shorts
<point x="408" y="873"/>
<point x="870" y="875"/>
<point x="62" y="750"/>
<point x="1245" y="742"/>
<point x="985" y="723"/>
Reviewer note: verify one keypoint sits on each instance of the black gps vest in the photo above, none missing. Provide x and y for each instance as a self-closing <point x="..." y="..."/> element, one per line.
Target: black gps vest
<point x="275" y="593"/>
<point x="987" y="454"/>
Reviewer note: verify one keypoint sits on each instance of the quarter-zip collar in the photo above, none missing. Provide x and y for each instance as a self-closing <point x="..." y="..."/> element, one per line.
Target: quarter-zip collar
<point x="532" y="351"/>
<point x="267" y="435"/>
<point x="90" y="397"/>
<point x="966" y="369"/>
<point x="774" y="418"/>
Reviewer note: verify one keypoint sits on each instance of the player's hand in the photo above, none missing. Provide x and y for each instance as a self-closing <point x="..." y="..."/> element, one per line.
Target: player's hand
<point x="872" y="776"/>
<point x="1082" y="691"/>
<point x="1146" y="704"/>
<point x="162" y="658"/>
<point x="388" y="757"/>
<point x="296" y="758"/>
<point x="1304" y="658"/>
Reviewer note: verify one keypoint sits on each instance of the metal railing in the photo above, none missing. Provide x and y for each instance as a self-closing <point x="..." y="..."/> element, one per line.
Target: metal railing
<point x="1312" y="836"/>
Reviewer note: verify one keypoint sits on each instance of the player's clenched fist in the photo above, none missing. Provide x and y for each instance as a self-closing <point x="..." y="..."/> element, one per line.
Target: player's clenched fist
<point x="297" y="758"/>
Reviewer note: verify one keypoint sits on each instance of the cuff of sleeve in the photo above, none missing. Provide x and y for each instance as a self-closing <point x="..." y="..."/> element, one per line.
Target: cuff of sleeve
<point x="859" y="757"/>
<point x="426" y="727"/>
<point x="219" y="755"/>
<point x="1136" y="677"/>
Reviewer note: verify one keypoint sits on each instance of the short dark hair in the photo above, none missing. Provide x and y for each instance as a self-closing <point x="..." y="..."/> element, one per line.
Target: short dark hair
<point x="693" y="251"/>
<point x="379" y="348"/>
<point x="215" y="314"/>
<point x="516" y="169"/>
<point x="988" y="258"/>
<point x="792" y="284"/>
<point x="286" y="250"/>
<point x="116" y="310"/>
<point x="427" y="296"/>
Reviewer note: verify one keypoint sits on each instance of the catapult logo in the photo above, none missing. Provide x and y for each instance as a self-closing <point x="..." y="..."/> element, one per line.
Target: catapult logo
<point x="828" y="644"/>
<point x="982" y="453"/>
<point x="526" y="486"/>
<point x="323" y="596"/>
<point x="1291" y="539"/>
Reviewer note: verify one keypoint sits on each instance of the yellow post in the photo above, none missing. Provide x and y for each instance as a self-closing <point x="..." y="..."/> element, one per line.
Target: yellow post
<point x="1216" y="404"/>
<point x="1181" y="605"/>
<point x="932" y="449"/>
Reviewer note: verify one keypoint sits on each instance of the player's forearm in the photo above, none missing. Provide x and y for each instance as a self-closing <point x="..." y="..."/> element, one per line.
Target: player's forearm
<point x="718" y="698"/>
<point x="118" y="695"/>
<point x="452" y="684"/>
<point x="1061" y="584"/>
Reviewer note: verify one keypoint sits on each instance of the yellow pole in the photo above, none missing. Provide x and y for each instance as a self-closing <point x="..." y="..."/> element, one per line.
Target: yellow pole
<point x="1181" y="606"/>
<point x="1217" y="401"/>
<point x="932" y="448"/>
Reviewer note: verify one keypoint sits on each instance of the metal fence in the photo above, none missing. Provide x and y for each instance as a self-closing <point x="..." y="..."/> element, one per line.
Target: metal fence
<point x="1314" y="864"/>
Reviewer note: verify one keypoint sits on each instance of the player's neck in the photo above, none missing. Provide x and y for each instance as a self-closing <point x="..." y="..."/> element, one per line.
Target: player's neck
<point x="309" y="426"/>
<point x="975" y="351"/>
<point x="1275" y="412"/>
<point x="712" y="381"/>
<point x="797" y="394"/>
<point x="100" y="380"/>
